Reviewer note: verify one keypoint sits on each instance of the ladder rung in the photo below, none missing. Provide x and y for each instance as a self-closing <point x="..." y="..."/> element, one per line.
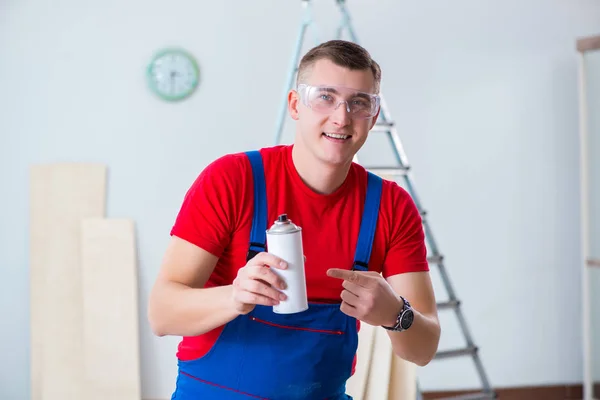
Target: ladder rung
<point x="456" y="353"/>
<point x="593" y="262"/>
<point x="382" y="126"/>
<point x="435" y="259"/>
<point x="471" y="396"/>
<point x="394" y="171"/>
<point x="448" y="304"/>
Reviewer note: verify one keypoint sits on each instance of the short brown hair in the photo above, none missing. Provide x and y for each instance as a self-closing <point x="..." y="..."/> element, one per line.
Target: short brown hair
<point x="343" y="53"/>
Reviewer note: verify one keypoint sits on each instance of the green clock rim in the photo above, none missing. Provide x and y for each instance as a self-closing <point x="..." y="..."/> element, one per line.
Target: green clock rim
<point x="167" y="51"/>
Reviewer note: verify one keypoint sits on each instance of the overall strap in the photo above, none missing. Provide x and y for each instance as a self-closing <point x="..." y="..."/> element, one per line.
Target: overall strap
<point x="258" y="235"/>
<point x="368" y="223"/>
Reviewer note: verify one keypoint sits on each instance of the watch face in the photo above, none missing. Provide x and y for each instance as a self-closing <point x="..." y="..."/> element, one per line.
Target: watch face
<point x="173" y="74"/>
<point x="407" y="319"/>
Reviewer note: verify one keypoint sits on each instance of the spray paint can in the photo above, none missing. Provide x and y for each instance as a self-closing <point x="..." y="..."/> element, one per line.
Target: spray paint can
<point x="284" y="239"/>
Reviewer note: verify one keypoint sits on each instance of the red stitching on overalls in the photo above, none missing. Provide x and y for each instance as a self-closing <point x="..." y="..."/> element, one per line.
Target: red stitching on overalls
<point x="297" y="328"/>
<point x="223" y="387"/>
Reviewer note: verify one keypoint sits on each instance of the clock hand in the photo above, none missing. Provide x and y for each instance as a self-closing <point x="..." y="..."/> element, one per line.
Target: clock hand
<point x="173" y="73"/>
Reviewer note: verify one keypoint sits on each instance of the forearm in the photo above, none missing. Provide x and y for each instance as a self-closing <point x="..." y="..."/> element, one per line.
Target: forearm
<point x="176" y="309"/>
<point x="419" y="343"/>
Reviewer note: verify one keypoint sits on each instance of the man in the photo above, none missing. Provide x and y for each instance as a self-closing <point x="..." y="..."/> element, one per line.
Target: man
<point x="216" y="287"/>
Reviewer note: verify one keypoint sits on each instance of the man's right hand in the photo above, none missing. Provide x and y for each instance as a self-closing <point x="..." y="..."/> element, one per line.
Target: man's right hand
<point x="256" y="283"/>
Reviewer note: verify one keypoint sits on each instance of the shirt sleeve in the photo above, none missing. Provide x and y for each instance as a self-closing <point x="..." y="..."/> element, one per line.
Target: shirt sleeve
<point x="208" y="213"/>
<point x="407" y="249"/>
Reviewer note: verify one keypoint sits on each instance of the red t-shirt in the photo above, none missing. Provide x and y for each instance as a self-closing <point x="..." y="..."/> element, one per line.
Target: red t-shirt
<point x="217" y="211"/>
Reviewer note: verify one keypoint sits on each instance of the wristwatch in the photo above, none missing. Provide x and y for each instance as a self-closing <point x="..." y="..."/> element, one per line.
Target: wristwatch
<point x="405" y="318"/>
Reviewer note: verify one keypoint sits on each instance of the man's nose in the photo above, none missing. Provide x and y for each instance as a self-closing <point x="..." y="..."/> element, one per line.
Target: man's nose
<point x="341" y="113"/>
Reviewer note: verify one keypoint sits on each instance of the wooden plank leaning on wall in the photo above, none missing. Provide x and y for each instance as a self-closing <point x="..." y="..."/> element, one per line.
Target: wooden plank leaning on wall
<point x="110" y="309"/>
<point x="61" y="195"/>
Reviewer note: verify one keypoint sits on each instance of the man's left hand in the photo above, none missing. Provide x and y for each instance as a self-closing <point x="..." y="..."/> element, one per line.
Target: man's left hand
<point x="368" y="297"/>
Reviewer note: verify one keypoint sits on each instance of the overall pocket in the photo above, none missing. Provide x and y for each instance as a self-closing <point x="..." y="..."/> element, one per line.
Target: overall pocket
<point x="298" y="356"/>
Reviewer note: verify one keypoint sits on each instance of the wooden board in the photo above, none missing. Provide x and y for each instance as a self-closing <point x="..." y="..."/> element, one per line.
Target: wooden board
<point x="357" y="383"/>
<point x="60" y="196"/>
<point x="378" y="382"/>
<point x="380" y="374"/>
<point x="403" y="380"/>
<point x="110" y="304"/>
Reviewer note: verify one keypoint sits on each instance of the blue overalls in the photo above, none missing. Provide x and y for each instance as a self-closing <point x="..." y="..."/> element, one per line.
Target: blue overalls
<point x="264" y="355"/>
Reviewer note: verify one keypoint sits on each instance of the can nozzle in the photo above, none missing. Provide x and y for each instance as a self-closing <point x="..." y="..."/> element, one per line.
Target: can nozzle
<point x="283" y="225"/>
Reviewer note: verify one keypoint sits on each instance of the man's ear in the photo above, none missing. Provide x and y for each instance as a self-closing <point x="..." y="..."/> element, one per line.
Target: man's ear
<point x="293" y="104"/>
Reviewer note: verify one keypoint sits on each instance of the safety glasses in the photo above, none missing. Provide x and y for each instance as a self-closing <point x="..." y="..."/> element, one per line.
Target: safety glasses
<point x="326" y="99"/>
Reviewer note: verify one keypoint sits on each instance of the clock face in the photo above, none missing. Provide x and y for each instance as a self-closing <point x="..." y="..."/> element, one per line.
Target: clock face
<point x="173" y="74"/>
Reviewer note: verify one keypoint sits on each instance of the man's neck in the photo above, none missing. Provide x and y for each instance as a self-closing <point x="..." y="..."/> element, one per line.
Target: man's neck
<point x="321" y="177"/>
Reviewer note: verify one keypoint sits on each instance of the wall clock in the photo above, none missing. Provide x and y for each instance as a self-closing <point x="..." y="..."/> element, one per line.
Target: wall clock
<point x="173" y="74"/>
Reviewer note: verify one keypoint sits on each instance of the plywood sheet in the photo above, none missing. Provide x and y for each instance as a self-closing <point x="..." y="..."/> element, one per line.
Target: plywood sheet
<point x="380" y="374"/>
<point x="378" y="381"/>
<point x="110" y="304"/>
<point x="357" y="383"/>
<point x="403" y="380"/>
<point x="60" y="196"/>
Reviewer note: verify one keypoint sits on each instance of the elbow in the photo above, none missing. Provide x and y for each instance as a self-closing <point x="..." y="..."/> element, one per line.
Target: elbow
<point x="158" y="329"/>
<point x="423" y="361"/>
<point x="157" y="326"/>
<point x="156" y="319"/>
<point x="426" y="351"/>
<point x="429" y="352"/>
<point x="420" y="360"/>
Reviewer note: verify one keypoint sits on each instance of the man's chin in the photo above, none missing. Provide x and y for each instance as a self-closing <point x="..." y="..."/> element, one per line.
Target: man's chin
<point x="336" y="160"/>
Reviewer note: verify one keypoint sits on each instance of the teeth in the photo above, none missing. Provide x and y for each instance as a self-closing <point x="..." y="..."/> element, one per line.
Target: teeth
<point x="336" y="136"/>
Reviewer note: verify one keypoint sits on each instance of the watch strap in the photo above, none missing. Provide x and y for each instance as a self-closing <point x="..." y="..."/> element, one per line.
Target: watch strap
<point x="398" y="325"/>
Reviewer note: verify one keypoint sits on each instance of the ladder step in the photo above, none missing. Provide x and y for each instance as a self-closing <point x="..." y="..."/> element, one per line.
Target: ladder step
<point x="467" y="351"/>
<point x="471" y="396"/>
<point x="448" y="304"/>
<point x="435" y="259"/>
<point x="394" y="171"/>
<point x="382" y="126"/>
<point x="593" y="262"/>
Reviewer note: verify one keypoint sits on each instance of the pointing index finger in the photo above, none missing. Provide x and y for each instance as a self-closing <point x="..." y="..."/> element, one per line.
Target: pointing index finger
<point x="350" y="276"/>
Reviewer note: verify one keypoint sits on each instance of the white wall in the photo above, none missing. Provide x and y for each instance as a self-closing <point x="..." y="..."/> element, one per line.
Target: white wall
<point x="484" y="93"/>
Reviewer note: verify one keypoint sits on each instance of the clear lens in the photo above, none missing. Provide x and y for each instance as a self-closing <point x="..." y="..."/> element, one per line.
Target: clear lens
<point x="327" y="99"/>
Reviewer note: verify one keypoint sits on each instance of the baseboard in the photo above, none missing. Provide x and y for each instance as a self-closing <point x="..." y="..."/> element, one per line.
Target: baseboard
<point x="551" y="392"/>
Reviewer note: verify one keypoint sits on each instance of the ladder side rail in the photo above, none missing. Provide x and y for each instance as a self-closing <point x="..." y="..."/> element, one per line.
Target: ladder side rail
<point x="293" y="68"/>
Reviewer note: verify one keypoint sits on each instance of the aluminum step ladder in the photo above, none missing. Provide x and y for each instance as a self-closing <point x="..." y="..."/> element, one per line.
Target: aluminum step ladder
<point x="400" y="170"/>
